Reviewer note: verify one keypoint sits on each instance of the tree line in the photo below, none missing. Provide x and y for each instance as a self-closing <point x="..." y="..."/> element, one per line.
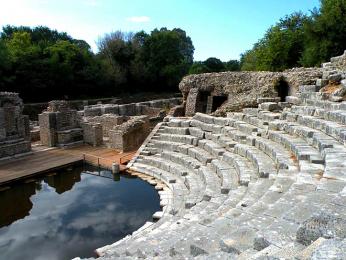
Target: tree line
<point x="43" y="64"/>
<point x="300" y="40"/>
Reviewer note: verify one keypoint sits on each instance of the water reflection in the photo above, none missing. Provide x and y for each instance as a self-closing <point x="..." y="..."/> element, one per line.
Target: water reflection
<point x="15" y="203"/>
<point x="63" y="182"/>
<point x="70" y="214"/>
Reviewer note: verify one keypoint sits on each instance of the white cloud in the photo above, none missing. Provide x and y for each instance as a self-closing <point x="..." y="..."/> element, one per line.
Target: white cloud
<point x="138" y="19"/>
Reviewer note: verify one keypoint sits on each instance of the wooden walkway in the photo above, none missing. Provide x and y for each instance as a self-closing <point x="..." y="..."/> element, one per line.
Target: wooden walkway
<point x="36" y="163"/>
<point x="44" y="161"/>
<point x="101" y="156"/>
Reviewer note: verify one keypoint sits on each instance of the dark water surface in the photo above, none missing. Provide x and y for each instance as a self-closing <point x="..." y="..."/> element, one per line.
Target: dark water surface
<point x="71" y="213"/>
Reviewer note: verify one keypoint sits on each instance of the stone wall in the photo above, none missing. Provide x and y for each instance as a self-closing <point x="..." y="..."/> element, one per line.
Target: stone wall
<point x="240" y="88"/>
<point x="338" y="63"/>
<point x="150" y="108"/>
<point x="92" y="133"/>
<point x="59" y="125"/>
<point x="106" y="121"/>
<point x="14" y="126"/>
<point x="129" y="135"/>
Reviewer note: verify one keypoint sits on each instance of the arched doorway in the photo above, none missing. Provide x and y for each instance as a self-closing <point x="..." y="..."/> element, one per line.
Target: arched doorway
<point x="282" y="89"/>
<point x="217" y="102"/>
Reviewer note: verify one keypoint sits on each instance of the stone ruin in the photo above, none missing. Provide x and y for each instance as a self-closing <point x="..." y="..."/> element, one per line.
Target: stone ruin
<point x="14" y="126"/>
<point x="153" y="109"/>
<point x="232" y="91"/>
<point x="265" y="182"/>
<point x="129" y="135"/>
<point x="121" y="127"/>
<point x="59" y="125"/>
<point x="125" y="126"/>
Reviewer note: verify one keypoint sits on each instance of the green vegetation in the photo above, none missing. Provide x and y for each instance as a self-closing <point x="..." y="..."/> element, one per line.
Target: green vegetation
<point x="42" y="64"/>
<point x="148" y="62"/>
<point x="325" y="33"/>
<point x="300" y="40"/>
<point x="213" y="65"/>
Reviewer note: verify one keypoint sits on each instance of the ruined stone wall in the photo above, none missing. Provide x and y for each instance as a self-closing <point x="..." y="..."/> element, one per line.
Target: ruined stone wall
<point x="14" y="126"/>
<point x="177" y="111"/>
<point x="130" y="135"/>
<point x="92" y="133"/>
<point x="241" y="88"/>
<point x="107" y="121"/>
<point x="150" y="108"/>
<point x="59" y="125"/>
<point x="337" y="63"/>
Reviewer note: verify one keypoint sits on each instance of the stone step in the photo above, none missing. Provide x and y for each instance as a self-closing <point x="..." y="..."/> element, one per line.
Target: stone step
<point x="308" y="88"/>
<point x="246" y="172"/>
<point x="174" y="130"/>
<point x="186" y="139"/>
<point x="268" y="99"/>
<point x="213" y="183"/>
<point x="264" y="165"/>
<point x="269" y="106"/>
<point x="227" y="174"/>
<point x="231" y="220"/>
<point x="293" y="100"/>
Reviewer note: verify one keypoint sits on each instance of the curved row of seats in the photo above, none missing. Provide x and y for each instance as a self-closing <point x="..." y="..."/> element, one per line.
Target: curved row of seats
<point x="239" y="187"/>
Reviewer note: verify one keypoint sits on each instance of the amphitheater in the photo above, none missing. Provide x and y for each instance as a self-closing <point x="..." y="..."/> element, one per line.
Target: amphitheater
<point x="265" y="182"/>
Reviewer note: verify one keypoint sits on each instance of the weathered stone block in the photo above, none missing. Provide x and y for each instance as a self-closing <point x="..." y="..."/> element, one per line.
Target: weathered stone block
<point x="59" y="125"/>
<point x="92" y="134"/>
<point x="335" y="77"/>
<point x="269" y="106"/>
<point x="308" y="88"/>
<point x="14" y="126"/>
<point x="321" y="225"/>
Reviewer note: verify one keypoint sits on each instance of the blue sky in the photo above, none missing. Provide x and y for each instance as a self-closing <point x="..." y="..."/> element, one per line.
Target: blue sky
<point x="219" y="28"/>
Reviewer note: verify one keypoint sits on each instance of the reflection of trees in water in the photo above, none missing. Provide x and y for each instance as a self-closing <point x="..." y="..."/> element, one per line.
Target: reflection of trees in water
<point x="15" y="203"/>
<point x="63" y="181"/>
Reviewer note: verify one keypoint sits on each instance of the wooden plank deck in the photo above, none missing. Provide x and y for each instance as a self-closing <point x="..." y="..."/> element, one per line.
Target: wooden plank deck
<point x="101" y="156"/>
<point x="44" y="161"/>
<point x="34" y="164"/>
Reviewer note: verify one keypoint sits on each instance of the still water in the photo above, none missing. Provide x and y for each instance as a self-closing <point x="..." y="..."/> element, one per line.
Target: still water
<point x="71" y="213"/>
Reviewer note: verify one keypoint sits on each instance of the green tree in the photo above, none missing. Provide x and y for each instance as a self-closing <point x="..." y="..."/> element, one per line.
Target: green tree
<point x="49" y="63"/>
<point x="39" y="34"/>
<point x="214" y="65"/>
<point x="232" y="65"/>
<point x="198" y="67"/>
<point x="5" y="65"/>
<point x="325" y="33"/>
<point x="280" y="48"/>
<point x="168" y="55"/>
<point x="118" y="49"/>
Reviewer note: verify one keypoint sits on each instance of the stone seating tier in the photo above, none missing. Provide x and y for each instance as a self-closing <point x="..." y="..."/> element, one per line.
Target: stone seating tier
<point x="264" y="182"/>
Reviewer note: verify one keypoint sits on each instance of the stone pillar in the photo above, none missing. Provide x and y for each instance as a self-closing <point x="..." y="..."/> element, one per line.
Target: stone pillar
<point x="192" y="102"/>
<point x="209" y="105"/>
<point x="92" y="134"/>
<point x="47" y="123"/>
<point x="115" y="168"/>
